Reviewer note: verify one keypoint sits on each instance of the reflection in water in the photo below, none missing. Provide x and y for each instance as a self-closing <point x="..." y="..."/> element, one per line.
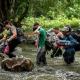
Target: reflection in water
<point x="55" y="70"/>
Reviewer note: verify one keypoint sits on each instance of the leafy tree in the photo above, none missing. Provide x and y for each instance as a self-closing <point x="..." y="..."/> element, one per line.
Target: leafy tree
<point x="17" y="10"/>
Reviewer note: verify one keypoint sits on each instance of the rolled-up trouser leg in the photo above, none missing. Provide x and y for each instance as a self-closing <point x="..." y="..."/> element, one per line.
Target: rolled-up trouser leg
<point x="41" y="55"/>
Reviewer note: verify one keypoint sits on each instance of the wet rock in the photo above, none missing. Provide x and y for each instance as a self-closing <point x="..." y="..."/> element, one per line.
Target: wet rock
<point x="17" y="64"/>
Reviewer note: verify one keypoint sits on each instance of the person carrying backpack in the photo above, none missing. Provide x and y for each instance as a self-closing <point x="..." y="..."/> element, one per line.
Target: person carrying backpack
<point x="68" y="42"/>
<point x="11" y="40"/>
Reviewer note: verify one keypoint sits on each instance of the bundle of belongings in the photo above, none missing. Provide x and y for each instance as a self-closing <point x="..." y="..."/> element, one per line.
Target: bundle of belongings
<point x="68" y="44"/>
<point x="50" y="42"/>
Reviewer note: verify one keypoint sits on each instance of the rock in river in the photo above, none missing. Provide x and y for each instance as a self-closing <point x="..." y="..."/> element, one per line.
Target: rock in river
<point x="17" y="64"/>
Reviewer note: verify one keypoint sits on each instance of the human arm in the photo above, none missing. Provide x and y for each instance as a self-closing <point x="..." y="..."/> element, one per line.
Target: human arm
<point x="70" y="41"/>
<point x="14" y="34"/>
<point x="37" y="31"/>
<point x="73" y="41"/>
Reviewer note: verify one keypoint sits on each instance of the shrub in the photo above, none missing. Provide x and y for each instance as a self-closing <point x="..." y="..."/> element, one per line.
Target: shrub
<point x="47" y="23"/>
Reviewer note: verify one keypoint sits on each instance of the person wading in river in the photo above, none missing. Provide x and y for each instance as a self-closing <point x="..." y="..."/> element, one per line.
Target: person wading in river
<point x="68" y="42"/>
<point x="57" y="49"/>
<point x="41" y="58"/>
<point x="12" y="37"/>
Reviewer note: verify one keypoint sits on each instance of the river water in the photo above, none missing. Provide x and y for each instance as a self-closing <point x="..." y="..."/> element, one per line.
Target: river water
<point x="55" y="70"/>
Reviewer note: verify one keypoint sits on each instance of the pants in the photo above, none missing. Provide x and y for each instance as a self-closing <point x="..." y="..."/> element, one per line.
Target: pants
<point x="69" y="56"/>
<point x="41" y="56"/>
<point x="12" y="45"/>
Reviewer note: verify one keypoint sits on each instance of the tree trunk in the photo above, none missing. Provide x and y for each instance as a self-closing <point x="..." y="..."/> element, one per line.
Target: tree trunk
<point x="25" y="13"/>
<point x="4" y="9"/>
<point x="8" y="11"/>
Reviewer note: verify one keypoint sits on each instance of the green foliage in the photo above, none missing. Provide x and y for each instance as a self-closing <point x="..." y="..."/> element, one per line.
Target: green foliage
<point x="53" y="13"/>
<point x="49" y="13"/>
<point x="51" y="9"/>
<point x="27" y="23"/>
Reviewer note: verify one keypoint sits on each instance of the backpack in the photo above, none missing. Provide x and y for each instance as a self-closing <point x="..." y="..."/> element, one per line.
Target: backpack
<point x="49" y="41"/>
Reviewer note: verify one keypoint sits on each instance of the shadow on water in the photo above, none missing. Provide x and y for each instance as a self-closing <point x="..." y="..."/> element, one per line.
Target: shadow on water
<point x="55" y="70"/>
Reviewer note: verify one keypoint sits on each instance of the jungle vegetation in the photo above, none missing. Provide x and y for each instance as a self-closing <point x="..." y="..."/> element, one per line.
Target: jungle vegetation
<point x="49" y="13"/>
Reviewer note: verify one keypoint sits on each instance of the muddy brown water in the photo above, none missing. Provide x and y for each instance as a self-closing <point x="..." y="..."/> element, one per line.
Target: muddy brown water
<point x="55" y="70"/>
